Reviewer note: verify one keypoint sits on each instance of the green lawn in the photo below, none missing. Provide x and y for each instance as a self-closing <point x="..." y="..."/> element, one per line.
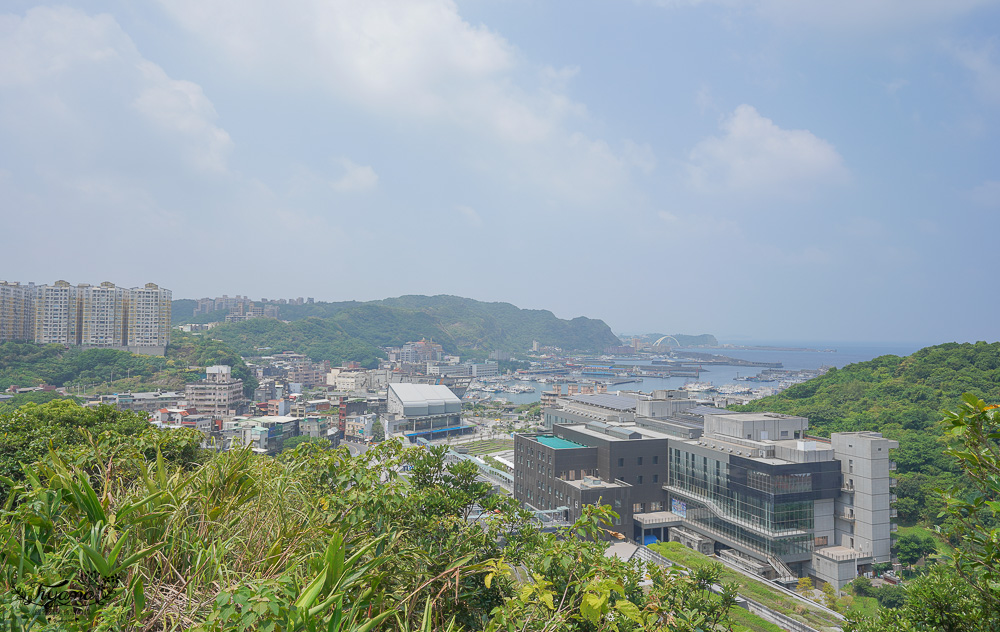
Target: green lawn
<point x="757" y="590"/>
<point x="943" y="548"/>
<point x="489" y="446"/>
<point x="865" y="605"/>
<point x="744" y="621"/>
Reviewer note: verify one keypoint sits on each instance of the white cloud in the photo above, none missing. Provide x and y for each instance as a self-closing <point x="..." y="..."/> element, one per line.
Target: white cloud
<point x="470" y="215"/>
<point x="896" y="85"/>
<point x="355" y="178"/>
<point x="77" y="87"/>
<point x="755" y="156"/>
<point x="420" y="64"/>
<point x="979" y="60"/>
<point x="986" y="194"/>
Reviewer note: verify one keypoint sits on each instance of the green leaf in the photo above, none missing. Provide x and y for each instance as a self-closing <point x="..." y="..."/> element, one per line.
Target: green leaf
<point x="311" y="592"/>
<point x="629" y="609"/>
<point x="96" y="559"/>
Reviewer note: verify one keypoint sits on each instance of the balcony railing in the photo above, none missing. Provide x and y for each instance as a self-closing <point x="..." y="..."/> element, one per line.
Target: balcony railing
<point x="893" y="498"/>
<point x="892" y="513"/>
<point x="893" y="527"/>
<point x="847" y="515"/>
<point x="847" y="489"/>
<point x="892" y="466"/>
<point x="893" y="482"/>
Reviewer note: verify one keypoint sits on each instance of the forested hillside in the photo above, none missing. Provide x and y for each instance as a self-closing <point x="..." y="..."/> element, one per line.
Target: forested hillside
<point x="28" y="364"/>
<point x="338" y="330"/>
<point x="902" y="397"/>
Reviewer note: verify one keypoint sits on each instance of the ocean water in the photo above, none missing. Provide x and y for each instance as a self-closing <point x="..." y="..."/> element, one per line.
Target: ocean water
<point x="839" y="355"/>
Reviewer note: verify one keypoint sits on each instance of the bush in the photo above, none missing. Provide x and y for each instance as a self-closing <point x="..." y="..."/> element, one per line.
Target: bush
<point x="890" y="596"/>
<point x="862" y="587"/>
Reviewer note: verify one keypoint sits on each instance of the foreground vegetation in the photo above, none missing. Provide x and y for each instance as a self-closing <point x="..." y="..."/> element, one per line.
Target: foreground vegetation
<point x="121" y="526"/>
<point x="109" y="524"/>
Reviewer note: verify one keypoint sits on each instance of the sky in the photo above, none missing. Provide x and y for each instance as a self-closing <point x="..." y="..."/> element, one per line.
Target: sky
<point x="756" y="169"/>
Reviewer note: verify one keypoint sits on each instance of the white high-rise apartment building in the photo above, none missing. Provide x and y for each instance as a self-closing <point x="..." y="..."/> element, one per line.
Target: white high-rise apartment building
<point x="103" y="315"/>
<point x="57" y="314"/>
<point x="17" y="315"/>
<point x="148" y="318"/>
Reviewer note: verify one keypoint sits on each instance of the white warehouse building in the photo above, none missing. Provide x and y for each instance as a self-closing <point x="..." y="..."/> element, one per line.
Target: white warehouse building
<point x="428" y="411"/>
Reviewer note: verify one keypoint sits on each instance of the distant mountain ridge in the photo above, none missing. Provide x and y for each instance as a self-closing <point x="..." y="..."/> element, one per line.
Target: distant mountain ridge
<point x="335" y="331"/>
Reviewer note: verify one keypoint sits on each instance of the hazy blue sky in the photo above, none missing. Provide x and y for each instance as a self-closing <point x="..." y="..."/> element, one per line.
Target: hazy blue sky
<point x="779" y="169"/>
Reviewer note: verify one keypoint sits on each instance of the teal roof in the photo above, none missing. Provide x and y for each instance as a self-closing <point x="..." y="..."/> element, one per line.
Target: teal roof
<point x="556" y="442"/>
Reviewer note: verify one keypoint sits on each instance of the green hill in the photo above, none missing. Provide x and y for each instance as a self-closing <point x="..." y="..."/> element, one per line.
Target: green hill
<point x="107" y="370"/>
<point x="902" y="397"/>
<point x="334" y="331"/>
<point x="352" y="334"/>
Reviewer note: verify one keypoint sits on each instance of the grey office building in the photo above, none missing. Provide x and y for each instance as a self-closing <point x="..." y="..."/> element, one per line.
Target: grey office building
<point x="752" y="488"/>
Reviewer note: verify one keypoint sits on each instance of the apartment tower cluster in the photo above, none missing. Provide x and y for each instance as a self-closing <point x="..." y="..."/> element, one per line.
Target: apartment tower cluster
<point x="89" y="316"/>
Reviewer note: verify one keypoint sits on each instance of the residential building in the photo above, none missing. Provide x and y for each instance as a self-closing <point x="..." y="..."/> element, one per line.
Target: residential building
<point x="304" y="407"/>
<point x="420" y="352"/>
<point x="278" y="407"/>
<point x="348" y="379"/>
<point x="148" y="318"/>
<point x="101" y="316"/>
<point x="752" y="488"/>
<point x="219" y="393"/>
<point x="56" y="314"/>
<point x="103" y="319"/>
<point x="359" y="427"/>
<point x="149" y="401"/>
<point x="319" y="427"/>
<point x="17" y="313"/>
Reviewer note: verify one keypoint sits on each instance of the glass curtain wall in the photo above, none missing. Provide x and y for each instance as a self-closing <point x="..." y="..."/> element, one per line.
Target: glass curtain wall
<point x="753" y="519"/>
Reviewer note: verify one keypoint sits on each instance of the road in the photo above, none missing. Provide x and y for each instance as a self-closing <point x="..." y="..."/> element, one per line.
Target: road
<point x="356" y="449"/>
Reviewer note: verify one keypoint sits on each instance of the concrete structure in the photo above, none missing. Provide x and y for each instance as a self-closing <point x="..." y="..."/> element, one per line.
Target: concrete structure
<point x="596" y="407"/>
<point x="102" y="316"/>
<point x="219" y="393"/>
<point x="420" y="352"/>
<point x="17" y="314"/>
<point x="359" y="427"/>
<point x="150" y="401"/>
<point x="56" y="314"/>
<point x="752" y="487"/>
<point x="423" y="410"/>
<point x="148" y="319"/>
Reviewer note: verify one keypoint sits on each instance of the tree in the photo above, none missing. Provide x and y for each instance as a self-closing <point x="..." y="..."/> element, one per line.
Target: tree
<point x="292" y="442"/>
<point x="975" y="432"/>
<point x="862" y="586"/>
<point x="830" y="596"/>
<point x="962" y="597"/>
<point x="890" y="596"/>
<point x="910" y="547"/>
<point x="378" y="432"/>
<point x="805" y="585"/>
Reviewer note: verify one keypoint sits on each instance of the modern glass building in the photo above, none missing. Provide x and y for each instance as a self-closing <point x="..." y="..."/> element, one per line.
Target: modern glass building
<point x="752" y="488"/>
